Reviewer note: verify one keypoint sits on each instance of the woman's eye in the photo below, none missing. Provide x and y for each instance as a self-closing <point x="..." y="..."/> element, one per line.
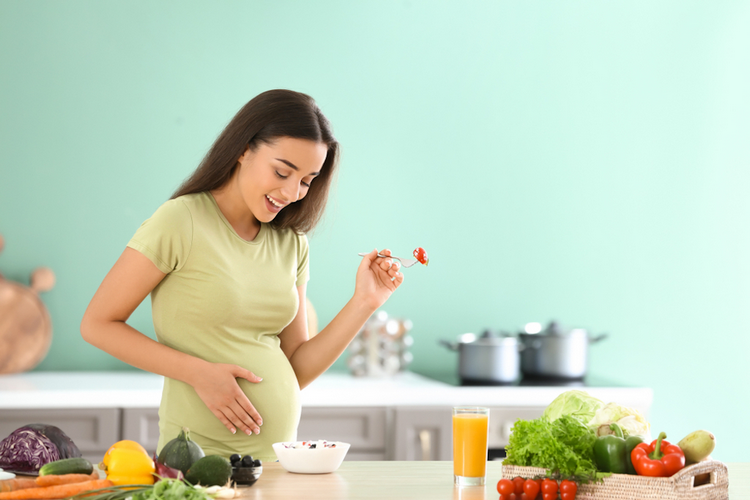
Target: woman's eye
<point x="306" y="184"/>
<point x="280" y="176"/>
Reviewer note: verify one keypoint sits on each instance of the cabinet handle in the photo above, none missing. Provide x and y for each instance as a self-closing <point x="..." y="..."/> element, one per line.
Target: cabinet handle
<point x="424" y="442"/>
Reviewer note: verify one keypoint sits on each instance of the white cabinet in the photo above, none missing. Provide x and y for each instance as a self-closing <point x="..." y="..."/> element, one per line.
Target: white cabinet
<point x="93" y="430"/>
<point x="364" y="428"/>
<point x="422" y="433"/>
<point x="141" y="425"/>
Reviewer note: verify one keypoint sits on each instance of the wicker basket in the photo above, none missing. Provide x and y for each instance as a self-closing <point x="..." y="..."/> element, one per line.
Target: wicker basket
<point x="712" y="484"/>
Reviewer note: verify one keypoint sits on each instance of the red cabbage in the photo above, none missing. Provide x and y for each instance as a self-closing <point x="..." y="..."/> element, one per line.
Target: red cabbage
<point x="29" y="447"/>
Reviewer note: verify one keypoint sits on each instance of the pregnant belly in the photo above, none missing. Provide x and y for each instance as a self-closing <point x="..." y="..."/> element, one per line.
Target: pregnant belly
<point x="276" y="398"/>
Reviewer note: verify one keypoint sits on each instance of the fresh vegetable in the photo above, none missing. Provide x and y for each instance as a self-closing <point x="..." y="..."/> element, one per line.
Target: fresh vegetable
<point x="181" y="452"/>
<point x="697" y="446"/>
<point x="531" y="488"/>
<point x="124" y="444"/>
<point x="60" y="491"/>
<point x="574" y="403"/>
<point x="211" y="470"/>
<point x="564" y="445"/>
<point x="29" y="447"/>
<point x="53" y="480"/>
<point x="167" y="472"/>
<point x="505" y="486"/>
<point x="612" y="452"/>
<point x="166" y="489"/>
<point x="568" y="489"/>
<point x="631" y="421"/>
<point x="128" y="466"/>
<point x="518" y="485"/>
<point x="16" y="484"/>
<point x="421" y="255"/>
<point x="78" y="465"/>
<point x="549" y="489"/>
<point x="658" y="459"/>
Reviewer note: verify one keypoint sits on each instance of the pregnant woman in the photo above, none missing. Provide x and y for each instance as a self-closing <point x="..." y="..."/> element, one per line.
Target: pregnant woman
<point x="226" y="263"/>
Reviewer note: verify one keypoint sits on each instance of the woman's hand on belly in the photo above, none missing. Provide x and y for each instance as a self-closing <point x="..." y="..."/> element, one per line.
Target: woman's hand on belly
<point x="217" y="387"/>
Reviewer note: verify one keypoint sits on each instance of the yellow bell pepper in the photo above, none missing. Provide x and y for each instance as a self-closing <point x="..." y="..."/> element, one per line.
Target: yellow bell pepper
<point x="128" y="466"/>
<point x="124" y="444"/>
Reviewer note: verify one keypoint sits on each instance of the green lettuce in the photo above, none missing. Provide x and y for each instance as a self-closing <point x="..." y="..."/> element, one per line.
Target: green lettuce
<point x="564" y="444"/>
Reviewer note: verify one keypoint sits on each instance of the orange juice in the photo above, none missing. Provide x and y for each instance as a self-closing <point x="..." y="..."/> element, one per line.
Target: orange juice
<point x="470" y="444"/>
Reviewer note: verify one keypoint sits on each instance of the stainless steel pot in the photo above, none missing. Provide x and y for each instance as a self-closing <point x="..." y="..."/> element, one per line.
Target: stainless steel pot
<point x="556" y="353"/>
<point x="486" y="360"/>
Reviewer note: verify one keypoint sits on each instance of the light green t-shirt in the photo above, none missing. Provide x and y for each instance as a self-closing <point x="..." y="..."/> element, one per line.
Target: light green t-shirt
<point x="225" y="300"/>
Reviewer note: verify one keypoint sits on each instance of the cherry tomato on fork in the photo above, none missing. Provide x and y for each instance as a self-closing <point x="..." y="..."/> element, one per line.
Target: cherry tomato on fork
<point x="421" y="255"/>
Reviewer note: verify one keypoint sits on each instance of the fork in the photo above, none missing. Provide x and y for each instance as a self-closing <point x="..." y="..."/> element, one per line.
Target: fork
<point x="404" y="262"/>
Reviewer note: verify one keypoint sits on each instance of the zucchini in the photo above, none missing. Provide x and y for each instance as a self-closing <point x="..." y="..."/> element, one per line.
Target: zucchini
<point x="77" y="465"/>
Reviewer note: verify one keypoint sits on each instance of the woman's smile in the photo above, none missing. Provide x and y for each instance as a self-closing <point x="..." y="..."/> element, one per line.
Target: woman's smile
<point x="274" y="205"/>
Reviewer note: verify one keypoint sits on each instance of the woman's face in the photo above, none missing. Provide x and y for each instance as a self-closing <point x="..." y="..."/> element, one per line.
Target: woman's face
<point x="279" y="173"/>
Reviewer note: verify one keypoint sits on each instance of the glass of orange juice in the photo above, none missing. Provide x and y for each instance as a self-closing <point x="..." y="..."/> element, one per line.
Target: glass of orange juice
<point x="470" y="431"/>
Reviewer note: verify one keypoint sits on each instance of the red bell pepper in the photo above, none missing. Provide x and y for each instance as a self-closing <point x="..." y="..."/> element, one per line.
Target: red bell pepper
<point x="658" y="459"/>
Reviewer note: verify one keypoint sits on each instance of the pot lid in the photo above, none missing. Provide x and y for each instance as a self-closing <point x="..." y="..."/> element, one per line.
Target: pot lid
<point x="488" y="337"/>
<point x="552" y="329"/>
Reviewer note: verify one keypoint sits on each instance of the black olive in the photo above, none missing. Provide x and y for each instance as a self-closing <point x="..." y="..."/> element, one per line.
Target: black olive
<point x="257" y="463"/>
<point x="247" y="461"/>
<point x="235" y="458"/>
<point x="313" y="446"/>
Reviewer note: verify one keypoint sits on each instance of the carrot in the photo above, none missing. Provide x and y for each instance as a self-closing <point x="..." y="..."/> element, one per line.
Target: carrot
<point x="53" y="480"/>
<point x="59" y="491"/>
<point x="16" y="484"/>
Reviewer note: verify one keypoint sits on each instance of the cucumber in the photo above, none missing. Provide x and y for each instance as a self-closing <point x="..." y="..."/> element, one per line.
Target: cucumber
<point x="77" y="465"/>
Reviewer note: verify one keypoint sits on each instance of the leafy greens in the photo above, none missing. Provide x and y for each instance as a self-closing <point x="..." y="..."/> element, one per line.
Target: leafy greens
<point x="564" y="445"/>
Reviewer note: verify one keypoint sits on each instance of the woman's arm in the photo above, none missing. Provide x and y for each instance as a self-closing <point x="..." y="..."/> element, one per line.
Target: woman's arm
<point x="104" y="325"/>
<point x="377" y="279"/>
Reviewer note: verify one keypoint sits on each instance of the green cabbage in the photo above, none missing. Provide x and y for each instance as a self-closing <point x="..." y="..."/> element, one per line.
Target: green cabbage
<point x="575" y="403"/>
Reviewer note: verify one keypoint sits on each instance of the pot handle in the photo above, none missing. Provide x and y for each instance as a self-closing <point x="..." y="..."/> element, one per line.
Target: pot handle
<point x="599" y="337"/>
<point x="453" y="346"/>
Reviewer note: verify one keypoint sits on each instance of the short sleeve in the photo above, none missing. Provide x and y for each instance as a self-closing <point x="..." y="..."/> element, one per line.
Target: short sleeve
<point x="166" y="237"/>
<point x="303" y="260"/>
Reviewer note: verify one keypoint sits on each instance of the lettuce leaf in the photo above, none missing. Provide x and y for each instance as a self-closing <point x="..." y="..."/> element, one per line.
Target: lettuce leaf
<point x="564" y="445"/>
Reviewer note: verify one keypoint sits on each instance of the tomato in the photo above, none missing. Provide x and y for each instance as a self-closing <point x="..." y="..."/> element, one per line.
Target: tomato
<point x="549" y="486"/>
<point x="568" y="490"/>
<point x="518" y="485"/>
<point x="421" y="255"/>
<point x="511" y="496"/>
<point x="549" y="496"/>
<point x="531" y="489"/>
<point x="505" y="487"/>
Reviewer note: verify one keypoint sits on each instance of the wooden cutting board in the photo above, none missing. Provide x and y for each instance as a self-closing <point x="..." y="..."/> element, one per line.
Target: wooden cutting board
<point x="25" y="328"/>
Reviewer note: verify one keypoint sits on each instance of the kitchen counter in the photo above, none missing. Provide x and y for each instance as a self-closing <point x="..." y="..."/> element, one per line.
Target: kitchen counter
<point x="405" y="480"/>
<point x="131" y="389"/>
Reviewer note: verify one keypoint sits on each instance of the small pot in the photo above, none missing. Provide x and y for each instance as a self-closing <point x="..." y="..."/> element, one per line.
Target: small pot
<point x="555" y="353"/>
<point x="486" y="360"/>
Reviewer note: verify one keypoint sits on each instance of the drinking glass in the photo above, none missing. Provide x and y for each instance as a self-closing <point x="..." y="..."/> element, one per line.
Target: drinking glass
<point x="470" y="431"/>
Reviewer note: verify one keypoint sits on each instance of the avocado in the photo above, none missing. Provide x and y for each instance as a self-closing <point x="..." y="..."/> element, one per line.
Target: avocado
<point x="211" y="470"/>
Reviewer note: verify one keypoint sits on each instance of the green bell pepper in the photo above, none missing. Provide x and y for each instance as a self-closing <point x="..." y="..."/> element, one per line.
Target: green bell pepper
<point x="612" y="453"/>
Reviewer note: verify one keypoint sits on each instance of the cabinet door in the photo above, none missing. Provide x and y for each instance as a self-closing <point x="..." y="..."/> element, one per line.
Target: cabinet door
<point x="93" y="430"/>
<point x="422" y="433"/>
<point x="362" y="427"/>
<point x="502" y="420"/>
<point x="141" y="425"/>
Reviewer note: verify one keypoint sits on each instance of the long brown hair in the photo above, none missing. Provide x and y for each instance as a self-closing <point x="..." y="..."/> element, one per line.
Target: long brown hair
<point x="268" y="116"/>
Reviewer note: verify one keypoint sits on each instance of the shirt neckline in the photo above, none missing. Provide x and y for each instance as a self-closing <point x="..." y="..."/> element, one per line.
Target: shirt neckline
<point x="258" y="237"/>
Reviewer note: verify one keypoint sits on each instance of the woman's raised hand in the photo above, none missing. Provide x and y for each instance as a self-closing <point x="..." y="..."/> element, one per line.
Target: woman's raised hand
<point x="377" y="278"/>
<point x="219" y="390"/>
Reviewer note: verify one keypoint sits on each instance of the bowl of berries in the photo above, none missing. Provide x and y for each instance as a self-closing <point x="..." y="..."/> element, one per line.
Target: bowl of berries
<point x="245" y="470"/>
<point x="311" y="457"/>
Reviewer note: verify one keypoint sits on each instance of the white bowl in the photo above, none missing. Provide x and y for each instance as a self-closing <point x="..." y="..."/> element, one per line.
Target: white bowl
<point x="311" y="461"/>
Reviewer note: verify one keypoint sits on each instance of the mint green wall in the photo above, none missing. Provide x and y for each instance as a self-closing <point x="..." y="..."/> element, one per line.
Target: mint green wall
<point x="580" y="160"/>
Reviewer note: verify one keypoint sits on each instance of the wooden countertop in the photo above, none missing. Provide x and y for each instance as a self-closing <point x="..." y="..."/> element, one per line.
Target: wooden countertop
<point x="405" y="480"/>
